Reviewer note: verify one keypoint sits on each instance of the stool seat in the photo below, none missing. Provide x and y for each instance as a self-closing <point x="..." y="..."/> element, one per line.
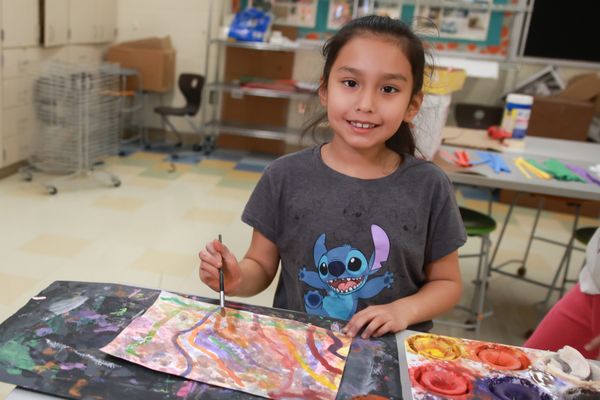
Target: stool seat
<point x="583" y="235"/>
<point x="476" y="223"/>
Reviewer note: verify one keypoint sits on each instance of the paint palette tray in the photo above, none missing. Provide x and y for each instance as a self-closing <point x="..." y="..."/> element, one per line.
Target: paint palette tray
<point x="442" y="367"/>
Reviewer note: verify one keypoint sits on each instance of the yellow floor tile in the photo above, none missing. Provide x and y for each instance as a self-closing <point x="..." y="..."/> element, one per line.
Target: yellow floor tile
<point x="162" y="262"/>
<point x="141" y="155"/>
<point x="218" y="164"/>
<point x="55" y="245"/>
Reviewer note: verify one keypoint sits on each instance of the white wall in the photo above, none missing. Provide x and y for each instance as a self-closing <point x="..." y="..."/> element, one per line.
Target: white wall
<point x="186" y="22"/>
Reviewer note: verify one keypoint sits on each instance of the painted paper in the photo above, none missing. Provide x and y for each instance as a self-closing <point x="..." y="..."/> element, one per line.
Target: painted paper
<point x="241" y="350"/>
<point x="443" y="367"/>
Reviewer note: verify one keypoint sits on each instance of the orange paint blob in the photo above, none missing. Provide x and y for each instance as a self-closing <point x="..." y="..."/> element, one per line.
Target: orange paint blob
<point x="502" y="358"/>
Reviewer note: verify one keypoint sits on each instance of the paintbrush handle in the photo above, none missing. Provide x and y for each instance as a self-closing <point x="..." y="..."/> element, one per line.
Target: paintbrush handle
<point x="221" y="282"/>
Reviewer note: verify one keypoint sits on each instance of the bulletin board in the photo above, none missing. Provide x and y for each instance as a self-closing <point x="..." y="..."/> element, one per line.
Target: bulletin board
<point x="482" y="33"/>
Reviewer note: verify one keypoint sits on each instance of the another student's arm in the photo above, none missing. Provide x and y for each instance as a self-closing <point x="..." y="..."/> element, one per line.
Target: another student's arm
<point x="250" y="276"/>
<point x="441" y="292"/>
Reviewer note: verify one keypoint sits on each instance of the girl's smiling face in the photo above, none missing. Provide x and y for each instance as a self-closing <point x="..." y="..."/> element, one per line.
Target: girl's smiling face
<point x="369" y="92"/>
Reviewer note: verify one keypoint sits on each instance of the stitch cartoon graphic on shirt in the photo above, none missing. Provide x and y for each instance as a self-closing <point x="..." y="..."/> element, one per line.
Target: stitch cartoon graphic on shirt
<point x="345" y="274"/>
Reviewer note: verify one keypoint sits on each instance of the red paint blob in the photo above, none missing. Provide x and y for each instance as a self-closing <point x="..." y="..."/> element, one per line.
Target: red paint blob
<point x="442" y="381"/>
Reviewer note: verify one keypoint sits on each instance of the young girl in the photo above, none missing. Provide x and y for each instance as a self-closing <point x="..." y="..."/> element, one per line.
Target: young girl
<point x="364" y="231"/>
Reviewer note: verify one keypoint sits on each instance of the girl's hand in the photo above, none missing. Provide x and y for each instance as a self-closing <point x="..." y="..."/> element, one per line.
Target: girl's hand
<point x="594" y="344"/>
<point x="214" y="257"/>
<point x="377" y="320"/>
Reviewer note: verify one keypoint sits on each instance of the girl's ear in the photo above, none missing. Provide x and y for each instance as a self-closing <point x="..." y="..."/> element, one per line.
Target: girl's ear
<point x="322" y="93"/>
<point x="413" y="107"/>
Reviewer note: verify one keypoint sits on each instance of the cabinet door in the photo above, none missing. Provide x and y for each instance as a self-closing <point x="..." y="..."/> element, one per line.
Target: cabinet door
<point x="56" y="22"/>
<point x="20" y="62"/>
<point x="17" y="92"/>
<point x="20" y="23"/>
<point x="82" y="21"/>
<point x="18" y="125"/>
<point x="107" y="20"/>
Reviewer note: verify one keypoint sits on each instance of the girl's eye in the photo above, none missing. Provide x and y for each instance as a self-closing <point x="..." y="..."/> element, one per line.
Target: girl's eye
<point x="350" y="83"/>
<point x="389" y="89"/>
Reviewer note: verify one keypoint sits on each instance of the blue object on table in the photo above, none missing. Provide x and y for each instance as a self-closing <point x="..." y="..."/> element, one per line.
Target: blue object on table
<point x="495" y="161"/>
<point x="250" y="25"/>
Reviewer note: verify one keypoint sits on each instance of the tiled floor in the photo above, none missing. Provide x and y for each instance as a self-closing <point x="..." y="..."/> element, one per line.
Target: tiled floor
<point x="148" y="232"/>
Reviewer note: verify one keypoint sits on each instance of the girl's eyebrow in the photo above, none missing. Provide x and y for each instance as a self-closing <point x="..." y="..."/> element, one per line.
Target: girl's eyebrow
<point x="387" y="76"/>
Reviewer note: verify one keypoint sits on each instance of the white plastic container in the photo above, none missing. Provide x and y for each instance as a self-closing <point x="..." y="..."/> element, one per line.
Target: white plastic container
<point x="516" y="114"/>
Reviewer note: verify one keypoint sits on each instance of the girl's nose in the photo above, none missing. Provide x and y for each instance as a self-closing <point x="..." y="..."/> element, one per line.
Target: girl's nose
<point x="365" y="102"/>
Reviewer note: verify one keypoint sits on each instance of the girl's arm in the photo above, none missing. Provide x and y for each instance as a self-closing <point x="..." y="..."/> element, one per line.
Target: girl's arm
<point x="441" y="292"/>
<point x="253" y="274"/>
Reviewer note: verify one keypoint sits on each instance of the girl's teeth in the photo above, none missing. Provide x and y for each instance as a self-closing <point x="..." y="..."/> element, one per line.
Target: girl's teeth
<point x="364" y="126"/>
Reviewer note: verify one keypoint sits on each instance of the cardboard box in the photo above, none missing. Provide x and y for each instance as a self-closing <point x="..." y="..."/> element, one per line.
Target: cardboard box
<point x="568" y="114"/>
<point x="153" y="58"/>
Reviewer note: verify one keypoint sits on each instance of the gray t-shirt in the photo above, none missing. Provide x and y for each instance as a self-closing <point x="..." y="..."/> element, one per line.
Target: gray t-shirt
<point x="347" y="243"/>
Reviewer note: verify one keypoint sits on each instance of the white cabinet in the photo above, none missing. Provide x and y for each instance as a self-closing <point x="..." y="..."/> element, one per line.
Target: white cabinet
<point x="18" y="123"/>
<point x="20" y="23"/>
<point x="107" y="20"/>
<point x="92" y="21"/>
<point x="56" y="22"/>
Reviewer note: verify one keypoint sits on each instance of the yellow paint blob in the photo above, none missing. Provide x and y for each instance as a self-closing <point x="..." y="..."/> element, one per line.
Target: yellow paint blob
<point x="435" y="347"/>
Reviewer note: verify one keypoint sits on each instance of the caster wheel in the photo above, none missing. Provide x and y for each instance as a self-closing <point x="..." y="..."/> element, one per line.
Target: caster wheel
<point x="116" y="182"/>
<point x="522" y="271"/>
<point x="52" y="190"/>
<point x="28" y="177"/>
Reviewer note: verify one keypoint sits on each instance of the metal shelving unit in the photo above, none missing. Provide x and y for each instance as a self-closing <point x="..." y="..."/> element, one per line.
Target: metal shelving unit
<point x="216" y="86"/>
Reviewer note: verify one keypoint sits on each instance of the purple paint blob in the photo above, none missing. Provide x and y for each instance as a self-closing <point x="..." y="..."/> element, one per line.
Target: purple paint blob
<point x="44" y="331"/>
<point x="70" y="366"/>
<point x="513" y="388"/>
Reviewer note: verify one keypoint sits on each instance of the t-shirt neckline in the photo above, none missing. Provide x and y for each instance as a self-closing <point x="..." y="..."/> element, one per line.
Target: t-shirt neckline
<point x="407" y="159"/>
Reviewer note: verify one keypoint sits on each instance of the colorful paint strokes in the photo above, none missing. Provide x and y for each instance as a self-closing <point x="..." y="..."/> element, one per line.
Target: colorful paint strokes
<point x="241" y="350"/>
<point x="441" y="367"/>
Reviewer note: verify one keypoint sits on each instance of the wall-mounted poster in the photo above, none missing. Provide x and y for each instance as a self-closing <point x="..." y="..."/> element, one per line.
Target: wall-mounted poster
<point x="340" y="12"/>
<point x="300" y="13"/>
<point x="453" y="22"/>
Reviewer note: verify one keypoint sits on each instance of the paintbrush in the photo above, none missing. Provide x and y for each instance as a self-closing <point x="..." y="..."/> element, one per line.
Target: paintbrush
<point x="221" y="282"/>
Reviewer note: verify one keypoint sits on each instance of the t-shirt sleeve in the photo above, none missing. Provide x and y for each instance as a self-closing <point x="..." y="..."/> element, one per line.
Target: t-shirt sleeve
<point x="446" y="229"/>
<point x="261" y="211"/>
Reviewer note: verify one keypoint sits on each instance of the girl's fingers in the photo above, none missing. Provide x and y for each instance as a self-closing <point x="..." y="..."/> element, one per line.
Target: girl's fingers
<point x="383" y="329"/>
<point x="372" y="327"/>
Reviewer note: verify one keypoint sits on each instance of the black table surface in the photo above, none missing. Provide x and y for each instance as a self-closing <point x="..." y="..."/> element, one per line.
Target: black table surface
<point x="52" y="345"/>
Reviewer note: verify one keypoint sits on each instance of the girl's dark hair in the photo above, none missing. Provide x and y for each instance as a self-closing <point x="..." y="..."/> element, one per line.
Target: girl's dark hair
<point x="403" y="140"/>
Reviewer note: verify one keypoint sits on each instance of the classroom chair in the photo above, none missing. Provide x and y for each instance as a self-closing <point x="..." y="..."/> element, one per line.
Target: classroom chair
<point x="478" y="225"/>
<point x="191" y="86"/>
